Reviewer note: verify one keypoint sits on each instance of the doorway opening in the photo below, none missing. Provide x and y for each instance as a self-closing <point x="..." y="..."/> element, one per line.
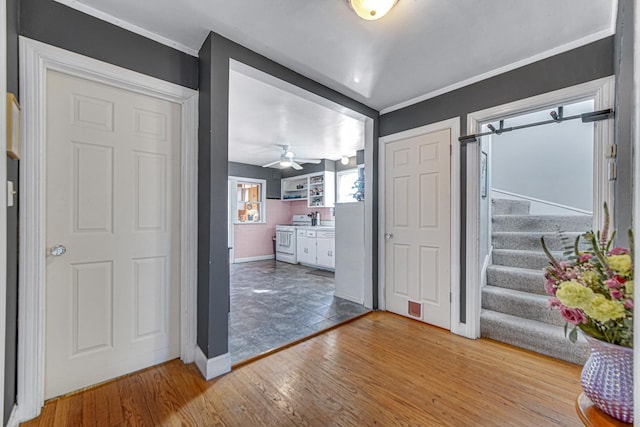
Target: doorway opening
<point x="535" y="182"/>
<point x="294" y="222"/>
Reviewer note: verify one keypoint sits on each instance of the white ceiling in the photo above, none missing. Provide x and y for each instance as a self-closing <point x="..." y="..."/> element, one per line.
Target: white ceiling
<point x="420" y="49"/>
<point x="262" y="117"/>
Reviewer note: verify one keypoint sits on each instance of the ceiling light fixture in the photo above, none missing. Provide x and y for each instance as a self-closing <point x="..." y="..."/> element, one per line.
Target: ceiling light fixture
<point x="344" y="160"/>
<point x="285" y="163"/>
<point x="371" y="10"/>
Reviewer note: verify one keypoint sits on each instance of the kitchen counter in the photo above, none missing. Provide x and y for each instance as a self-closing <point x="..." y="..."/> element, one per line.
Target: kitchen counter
<point x="316" y="227"/>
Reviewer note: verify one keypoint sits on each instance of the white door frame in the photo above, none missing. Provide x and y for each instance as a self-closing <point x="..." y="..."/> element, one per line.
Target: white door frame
<point x="36" y="59"/>
<point x="454" y="126"/>
<point x="602" y="91"/>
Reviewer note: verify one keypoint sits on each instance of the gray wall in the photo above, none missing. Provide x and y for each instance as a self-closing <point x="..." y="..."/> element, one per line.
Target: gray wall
<point x="271" y="175"/>
<point x="58" y="25"/>
<point x="55" y="24"/>
<point x="11" y="338"/>
<point x="213" y="266"/>
<point x="580" y="65"/>
<point x="623" y="63"/>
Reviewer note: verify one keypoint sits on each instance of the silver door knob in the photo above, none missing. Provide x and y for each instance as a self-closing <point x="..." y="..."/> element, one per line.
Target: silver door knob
<point x="388" y="236"/>
<point x="57" y="250"/>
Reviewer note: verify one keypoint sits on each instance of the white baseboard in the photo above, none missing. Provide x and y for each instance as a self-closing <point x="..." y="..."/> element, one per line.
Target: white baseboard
<point x="211" y="368"/>
<point x="14" y="420"/>
<point x="253" y="258"/>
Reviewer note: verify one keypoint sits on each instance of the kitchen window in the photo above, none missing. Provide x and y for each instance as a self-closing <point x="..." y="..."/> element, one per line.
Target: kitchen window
<point x="248" y="205"/>
<point x="346" y="186"/>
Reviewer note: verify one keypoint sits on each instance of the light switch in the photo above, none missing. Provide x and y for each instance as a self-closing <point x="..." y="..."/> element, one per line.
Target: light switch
<point x="10" y="194"/>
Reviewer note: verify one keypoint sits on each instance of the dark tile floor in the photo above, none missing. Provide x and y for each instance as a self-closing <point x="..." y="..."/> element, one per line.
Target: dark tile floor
<point x="274" y="303"/>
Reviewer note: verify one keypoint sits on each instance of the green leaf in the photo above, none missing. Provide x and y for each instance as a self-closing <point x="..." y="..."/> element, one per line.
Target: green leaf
<point x="573" y="336"/>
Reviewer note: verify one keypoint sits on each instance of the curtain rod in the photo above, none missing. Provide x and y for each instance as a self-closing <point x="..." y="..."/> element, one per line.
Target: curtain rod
<point x="557" y="117"/>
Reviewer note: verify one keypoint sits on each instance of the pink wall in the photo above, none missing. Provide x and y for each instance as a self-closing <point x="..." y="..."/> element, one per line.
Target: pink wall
<point x="300" y="207"/>
<point x="255" y="240"/>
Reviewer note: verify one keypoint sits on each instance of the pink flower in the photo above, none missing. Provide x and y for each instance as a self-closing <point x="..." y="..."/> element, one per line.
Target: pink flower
<point x="616" y="294"/>
<point x="549" y="287"/>
<point x="628" y="303"/>
<point x="572" y="315"/>
<point x="584" y="258"/>
<point x="615" y="282"/>
<point x="618" y="251"/>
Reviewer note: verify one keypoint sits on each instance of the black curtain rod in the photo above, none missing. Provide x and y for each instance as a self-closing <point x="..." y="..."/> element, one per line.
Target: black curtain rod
<point x="557" y="118"/>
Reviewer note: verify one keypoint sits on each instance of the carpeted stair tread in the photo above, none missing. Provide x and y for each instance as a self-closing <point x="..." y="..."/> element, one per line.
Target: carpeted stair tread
<point x="519" y="279"/>
<point x="532" y="335"/>
<point x="546" y="223"/>
<point x="530" y="240"/>
<point x="523" y="259"/>
<point x="510" y="207"/>
<point x="521" y="304"/>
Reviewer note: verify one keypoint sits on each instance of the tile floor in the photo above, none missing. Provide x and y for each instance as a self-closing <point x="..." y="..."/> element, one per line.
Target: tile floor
<point x="274" y="303"/>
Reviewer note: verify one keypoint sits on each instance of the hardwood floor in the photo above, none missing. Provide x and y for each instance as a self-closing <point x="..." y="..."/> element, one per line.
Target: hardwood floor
<point x="381" y="370"/>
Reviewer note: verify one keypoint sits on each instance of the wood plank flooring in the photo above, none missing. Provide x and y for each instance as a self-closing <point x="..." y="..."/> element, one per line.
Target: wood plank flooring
<point x="379" y="370"/>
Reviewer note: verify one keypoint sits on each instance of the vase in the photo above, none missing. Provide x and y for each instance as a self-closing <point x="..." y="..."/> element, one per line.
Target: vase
<point x="607" y="378"/>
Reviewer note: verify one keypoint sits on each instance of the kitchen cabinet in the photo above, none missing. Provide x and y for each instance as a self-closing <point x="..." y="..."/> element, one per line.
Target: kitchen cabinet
<point x="325" y="249"/>
<point x="316" y="248"/>
<point x="306" y="245"/>
<point x="318" y="189"/>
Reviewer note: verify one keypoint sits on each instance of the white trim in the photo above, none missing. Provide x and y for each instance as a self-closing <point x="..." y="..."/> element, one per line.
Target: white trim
<point x="543" y="202"/>
<point x="635" y="138"/>
<point x="602" y="91"/>
<point x="103" y="16"/>
<point x="253" y="258"/>
<point x="36" y="59"/>
<point x="3" y="197"/>
<point x="13" y="418"/>
<point x="211" y="368"/>
<point x="530" y="60"/>
<point x="454" y="126"/>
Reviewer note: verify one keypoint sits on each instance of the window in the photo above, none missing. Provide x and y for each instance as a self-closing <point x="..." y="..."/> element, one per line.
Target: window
<point x="247" y="200"/>
<point x="346" y="186"/>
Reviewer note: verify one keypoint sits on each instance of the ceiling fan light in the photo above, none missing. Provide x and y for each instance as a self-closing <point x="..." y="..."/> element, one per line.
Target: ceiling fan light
<point x="371" y="10"/>
<point x="289" y="154"/>
<point x="285" y="163"/>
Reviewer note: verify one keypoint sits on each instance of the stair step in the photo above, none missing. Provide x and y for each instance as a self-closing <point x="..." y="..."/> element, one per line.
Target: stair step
<point x="568" y="223"/>
<point x="510" y="207"/>
<point x="533" y="335"/>
<point x="523" y="259"/>
<point x="518" y="279"/>
<point x="521" y="304"/>
<point x="531" y="240"/>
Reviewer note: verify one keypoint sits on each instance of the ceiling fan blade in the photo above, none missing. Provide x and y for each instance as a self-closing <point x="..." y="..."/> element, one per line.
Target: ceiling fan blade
<point x="271" y="164"/>
<point x="296" y="166"/>
<point x="314" y="161"/>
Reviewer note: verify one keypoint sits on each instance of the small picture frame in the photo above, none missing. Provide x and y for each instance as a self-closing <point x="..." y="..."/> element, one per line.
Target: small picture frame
<point x="13" y="127"/>
<point x="483" y="175"/>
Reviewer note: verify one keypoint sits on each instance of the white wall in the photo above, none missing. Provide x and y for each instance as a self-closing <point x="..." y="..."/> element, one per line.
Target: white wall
<point x="552" y="162"/>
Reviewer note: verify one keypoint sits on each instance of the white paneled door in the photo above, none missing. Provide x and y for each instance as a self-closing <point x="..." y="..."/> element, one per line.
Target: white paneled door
<point x="112" y="196"/>
<point x="418" y="227"/>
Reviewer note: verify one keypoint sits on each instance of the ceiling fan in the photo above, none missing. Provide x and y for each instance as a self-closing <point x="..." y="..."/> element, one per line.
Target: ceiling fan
<point x="287" y="158"/>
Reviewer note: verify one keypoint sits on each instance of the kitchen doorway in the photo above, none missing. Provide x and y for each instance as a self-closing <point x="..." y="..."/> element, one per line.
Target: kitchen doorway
<point x="286" y="151"/>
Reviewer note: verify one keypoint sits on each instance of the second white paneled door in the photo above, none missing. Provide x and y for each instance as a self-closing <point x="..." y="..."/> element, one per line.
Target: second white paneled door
<point x="418" y="227"/>
<point x="112" y="196"/>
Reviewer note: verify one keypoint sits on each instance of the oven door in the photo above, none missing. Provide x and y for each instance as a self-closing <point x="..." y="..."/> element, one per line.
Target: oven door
<point x="285" y="241"/>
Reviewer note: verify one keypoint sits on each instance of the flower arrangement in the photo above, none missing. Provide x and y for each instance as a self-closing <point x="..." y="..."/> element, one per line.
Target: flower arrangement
<point x="593" y="289"/>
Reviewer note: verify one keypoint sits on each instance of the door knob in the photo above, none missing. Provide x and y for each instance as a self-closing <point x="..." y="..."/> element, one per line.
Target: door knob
<point x="57" y="250"/>
<point x="388" y="236"/>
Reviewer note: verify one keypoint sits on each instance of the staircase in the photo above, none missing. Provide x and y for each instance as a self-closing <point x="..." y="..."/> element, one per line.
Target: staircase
<point x="514" y="303"/>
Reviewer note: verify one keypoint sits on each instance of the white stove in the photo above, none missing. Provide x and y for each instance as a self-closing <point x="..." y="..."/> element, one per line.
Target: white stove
<point x="286" y="238"/>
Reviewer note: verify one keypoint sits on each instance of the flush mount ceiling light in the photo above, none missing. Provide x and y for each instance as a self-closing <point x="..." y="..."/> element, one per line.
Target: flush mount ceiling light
<point x="344" y="160"/>
<point x="371" y="9"/>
